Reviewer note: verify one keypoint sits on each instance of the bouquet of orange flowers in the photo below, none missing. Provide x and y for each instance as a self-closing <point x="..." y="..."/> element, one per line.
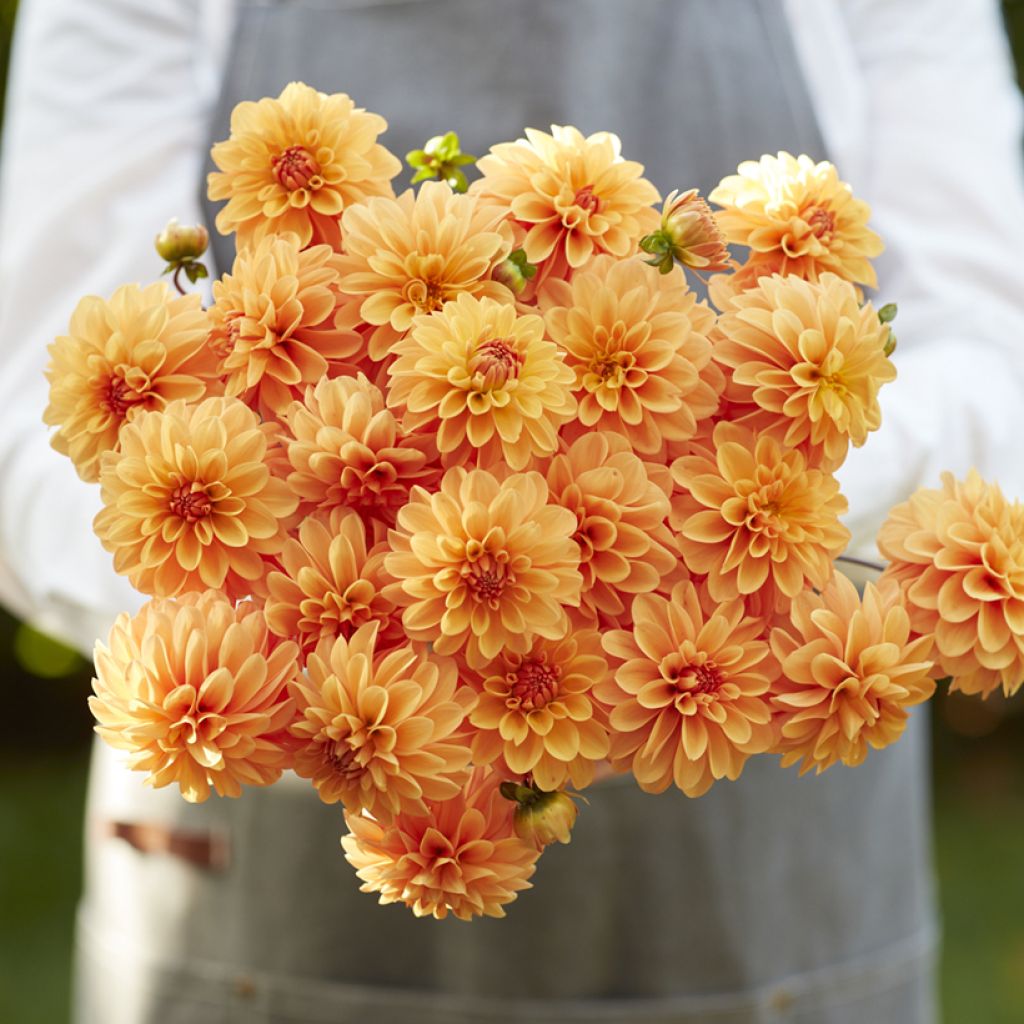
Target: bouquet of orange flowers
<point x="452" y="501"/>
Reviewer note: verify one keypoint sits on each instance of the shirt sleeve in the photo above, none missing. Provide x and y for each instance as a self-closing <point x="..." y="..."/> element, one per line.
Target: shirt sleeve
<point x="106" y="124"/>
<point x="921" y="113"/>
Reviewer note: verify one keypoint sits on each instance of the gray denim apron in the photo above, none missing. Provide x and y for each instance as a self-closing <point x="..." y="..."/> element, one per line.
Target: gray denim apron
<point x="774" y="899"/>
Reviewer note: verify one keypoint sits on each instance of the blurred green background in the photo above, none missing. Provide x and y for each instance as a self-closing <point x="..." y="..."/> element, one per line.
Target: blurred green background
<point x="44" y="742"/>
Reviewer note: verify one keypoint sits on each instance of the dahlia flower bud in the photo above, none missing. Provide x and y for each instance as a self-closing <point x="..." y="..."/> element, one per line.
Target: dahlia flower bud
<point x="515" y="272"/>
<point x="441" y="158"/>
<point x="541" y="818"/>
<point x="886" y="315"/>
<point x="180" y="242"/>
<point x="688" y="235"/>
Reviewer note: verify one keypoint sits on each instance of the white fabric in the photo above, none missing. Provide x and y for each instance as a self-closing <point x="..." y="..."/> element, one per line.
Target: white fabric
<point x="108" y="105"/>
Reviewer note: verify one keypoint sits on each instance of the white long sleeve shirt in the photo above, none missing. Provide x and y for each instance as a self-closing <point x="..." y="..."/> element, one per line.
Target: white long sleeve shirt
<point x="108" y="110"/>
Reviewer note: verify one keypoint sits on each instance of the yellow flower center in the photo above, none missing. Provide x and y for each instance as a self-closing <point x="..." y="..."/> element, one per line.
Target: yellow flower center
<point x="223" y="339"/>
<point x="533" y="685"/>
<point x="610" y="370"/>
<point x="295" y="168"/>
<point x="494" y="363"/>
<point x="692" y="672"/>
<point x="761" y="509"/>
<point x="426" y="294"/>
<point x="120" y="397"/>
<point x="486" y="578"/>
<point x="189" y="504"/>
<point x="822" y="222"/>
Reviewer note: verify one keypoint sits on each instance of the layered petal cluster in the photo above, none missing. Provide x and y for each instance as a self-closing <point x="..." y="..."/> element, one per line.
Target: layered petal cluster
<point x="295" y="163"/>
<point x="486" y="379"/>
<point x="621" y="506"/>
<point x="536" y="713"/>
<point x="752" y="516"/>
<point x="575" y="196"/>
<point x="464" y="858"/>
<point x="797" y="217"/>
<point x="851" y="668"/>
<point x="330" y="583"/>
<point x="140" y="349"/>
<point x="958" y="552"/>
<point x="690" y="697"/>
<point x="413" y="254"/>
<point x="484" y="564"/>
<point x="638" y="343"/>
<point x="278" y="323"/>
<point x="809" y="360"/>
<point x="196" y="691"/>
<point x="189" y="501"/>
<point x="379" y="730"/>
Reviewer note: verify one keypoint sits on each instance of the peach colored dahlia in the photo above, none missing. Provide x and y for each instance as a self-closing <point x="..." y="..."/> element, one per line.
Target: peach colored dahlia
<point x="485" y="563"/>
<point x="189" y="499"/>
<point x="850" y="670"/>
<point x="690" y="695"/>
<point x="195" y="691"/>
<point x="463" y="858"/>
<point x="486" y="380"/>
<point x="295" y="163"/>
<point x="142" y="348"/>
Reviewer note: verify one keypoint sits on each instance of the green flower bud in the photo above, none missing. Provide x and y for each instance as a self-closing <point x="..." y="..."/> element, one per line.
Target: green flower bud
<point x="544" y="818"/>
<point x="179" y="243"/>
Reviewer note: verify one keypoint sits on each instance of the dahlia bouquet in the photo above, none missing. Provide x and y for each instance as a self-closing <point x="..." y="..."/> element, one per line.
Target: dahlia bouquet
<point x="452" y="502"/>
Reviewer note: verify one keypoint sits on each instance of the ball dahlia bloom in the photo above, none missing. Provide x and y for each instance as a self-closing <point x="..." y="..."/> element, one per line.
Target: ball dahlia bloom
<point x="797" y="215"/>
<point x="850" y="670"/>
<point x="140" y="349"/>
<point x="379" y="730"/>
<point x="189" y="501"/>
<point x="484" y="564"/>
<point x="690" y="697"/>
<point x="275" y="323"/>
<point x="536" y="713"/>
<point x="295" y="163"/>
<point x="809" y="360"/>
<point x="621" y="505"/>
<point x="484" y="379"/>
<point x="752" y="514"/>
<point x="958" y="553"/>
<point x="638" y="343"/>
<point x="463" y="858"/>
<point x="195" y="690"/>
<point x="413" y="254"/>
<point x="574" y="196"/>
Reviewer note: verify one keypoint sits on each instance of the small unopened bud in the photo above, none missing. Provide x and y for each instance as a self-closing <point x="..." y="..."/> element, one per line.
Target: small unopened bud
<point x="688" y="235"/>
<point x="886" y="315"/>
<point x="514" y="272"/>
<point x="178" y="243"/>
<point x="545" y="818"/>
<point x="441" y="158"/>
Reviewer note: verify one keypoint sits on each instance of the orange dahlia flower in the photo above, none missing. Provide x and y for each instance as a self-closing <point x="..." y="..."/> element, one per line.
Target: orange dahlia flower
<point x="798" y="214"/>
<point x="959" y="554"/>
<point x="638" y="343"/>
<point x="752" y="514"/>
<point x="850" y="670"/>
<point x="274" y="323"/>
<point x="196" y="691"/>
<point x="378" y="731"/>
<point x="189" y="498"/>
<point x="295" y="163"/>
<point x="141" y="349"/>
<point x="575" y="196"/>
<point x="484" y="564"/>
<point x="536" y="713"/>
<point x="499" y="389"/>
<point x="413" y="254"/>
<point x="621" y="505"/>
<point x="346" y="449"/>
<point x="690" y="695"/>
<point x="463" y="858"/>
<point x="810" y="359"/>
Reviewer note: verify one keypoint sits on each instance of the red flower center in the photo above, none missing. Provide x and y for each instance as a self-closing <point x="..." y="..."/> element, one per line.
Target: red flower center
<point x="120" y="397"/>
<point x="707" y="678"/>
<point x="295" y="168"/>
<point x="822" y="222"/>
<point x="494" y="362"/>
<point x="586" y="200"/>
<point x="534" y="685"/>
<point x="190" y="505"/>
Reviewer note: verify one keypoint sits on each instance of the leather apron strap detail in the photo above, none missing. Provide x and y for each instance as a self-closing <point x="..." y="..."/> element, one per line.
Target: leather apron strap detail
<point x="209" y="850"/>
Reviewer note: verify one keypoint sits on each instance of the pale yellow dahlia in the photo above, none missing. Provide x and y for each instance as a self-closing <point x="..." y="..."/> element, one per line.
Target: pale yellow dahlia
<point x="484" y="564"/>
<point x="464" y="858"/>
<point x="851" y="668"/>
<point x="295" y="163"/>
<point x="140" y="349"/>
<point x="752" y="515"/>
<point x="637" y="341"/>
<point x="797" y="214"/>
<point x="958" y="553"/>
<point x="690" y="696"/>
<point x="810" y="360"/>
<point x="621" y="505"/>
<point x="536" y="713"/>
<point x="347" y="450"/>
<point x="197" y="693"/>
<point x="274" y="323"/>
<point x="189" y="499"/>
<point x="484" y="379"/>
<point x="379" y="730"/>
<point x="575" y="196"/>
<point x="413" y="254"/>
